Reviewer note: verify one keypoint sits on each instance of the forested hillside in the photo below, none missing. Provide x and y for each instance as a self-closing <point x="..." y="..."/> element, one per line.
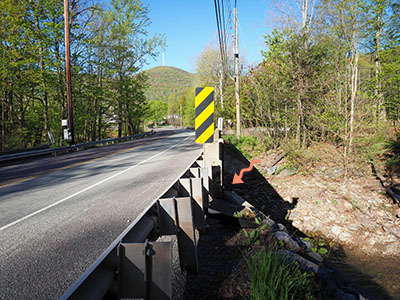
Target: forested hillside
<point x="166" y="82"/>
<point x="330" y="74"/>
<point x="109" y="45"/>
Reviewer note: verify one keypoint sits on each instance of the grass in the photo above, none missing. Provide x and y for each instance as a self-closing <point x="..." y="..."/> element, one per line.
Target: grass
<point x="250" y="146"/>
<point x="271" y="278"/>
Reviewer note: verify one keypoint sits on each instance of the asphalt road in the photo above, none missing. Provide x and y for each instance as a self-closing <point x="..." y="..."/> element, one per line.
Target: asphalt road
<point x="56" y="221"/>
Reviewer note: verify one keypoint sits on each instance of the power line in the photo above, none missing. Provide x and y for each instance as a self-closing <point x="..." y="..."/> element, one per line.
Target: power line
<point x="219" y="27"/>
<point x="224" y="27"/>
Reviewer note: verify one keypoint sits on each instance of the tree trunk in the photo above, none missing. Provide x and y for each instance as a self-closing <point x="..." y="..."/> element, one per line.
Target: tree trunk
<point x="381" y="111"/>
<point x="299" y="119"/>
<point x="354" y="80"/>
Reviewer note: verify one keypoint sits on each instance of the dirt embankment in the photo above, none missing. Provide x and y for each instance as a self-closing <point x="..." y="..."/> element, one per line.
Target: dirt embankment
<point x="353" y="212"/>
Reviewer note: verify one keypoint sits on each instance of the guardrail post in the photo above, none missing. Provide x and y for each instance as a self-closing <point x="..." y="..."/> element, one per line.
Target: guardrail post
<point x="142" y="268"/>
<point x="176" y="217"/>
<point x="194" y="188"/>
<point x="213" y="157"/>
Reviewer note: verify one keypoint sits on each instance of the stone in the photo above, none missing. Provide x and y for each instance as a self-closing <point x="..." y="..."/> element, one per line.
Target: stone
<point x="272" y="170"/>
<point x="337" y="171"/>
<point x="268" y="222"/>
<point x="315" y="257"/>
<point x="279" y="227"/>
<point x="289" y="242"/>
<point x="340" y="295"/>
<point x="341" y="233"/>
<point x="347" y="205"/>
<point x="287" y="172"/>
<point x="308" y="245"/>
<point x="304" y="264"/>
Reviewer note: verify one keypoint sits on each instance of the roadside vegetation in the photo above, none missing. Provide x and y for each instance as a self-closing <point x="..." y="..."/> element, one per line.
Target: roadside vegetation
<point x="109" y="46"/>
<point x="266" y="274"/>
<point x="328" y="86"/>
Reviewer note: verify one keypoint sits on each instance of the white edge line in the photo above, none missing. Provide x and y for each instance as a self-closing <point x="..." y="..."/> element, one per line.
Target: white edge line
<point x="85" y="189"/>
<point x="106" y="252"/>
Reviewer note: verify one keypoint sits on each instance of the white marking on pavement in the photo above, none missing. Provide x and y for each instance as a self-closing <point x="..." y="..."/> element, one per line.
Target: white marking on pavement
<point x="85" y="189"/>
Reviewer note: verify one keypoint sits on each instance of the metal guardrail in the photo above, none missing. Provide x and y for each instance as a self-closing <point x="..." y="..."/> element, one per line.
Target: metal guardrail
<point x="77" y="147"/>
<point x="135" y="265"/>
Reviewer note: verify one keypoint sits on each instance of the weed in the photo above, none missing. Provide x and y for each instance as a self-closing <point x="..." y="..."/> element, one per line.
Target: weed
<point x="252" y="236"/>
<point x="238" y="214"/>
<point x="271" y="278"/>
<point x="318" y="245"/>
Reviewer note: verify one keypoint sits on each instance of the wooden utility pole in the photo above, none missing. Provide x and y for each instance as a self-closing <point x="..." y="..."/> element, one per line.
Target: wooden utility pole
<point x="236" y="57"/>
<point x="68" y="72"/>
<point x="181" y="115"/>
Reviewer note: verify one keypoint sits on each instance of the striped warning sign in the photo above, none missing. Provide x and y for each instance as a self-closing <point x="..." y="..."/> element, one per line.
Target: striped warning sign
<point x="204" y="123"/>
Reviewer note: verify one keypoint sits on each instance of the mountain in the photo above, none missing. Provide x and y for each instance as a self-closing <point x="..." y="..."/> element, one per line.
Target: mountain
<point x="166" y="81"/>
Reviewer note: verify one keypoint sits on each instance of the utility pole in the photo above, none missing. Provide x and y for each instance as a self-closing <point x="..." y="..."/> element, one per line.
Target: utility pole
<point x="236" y="57"/>
<point x="181" y="116"/>
<point x="221" y="83"/>
<point x="68" y="73"/>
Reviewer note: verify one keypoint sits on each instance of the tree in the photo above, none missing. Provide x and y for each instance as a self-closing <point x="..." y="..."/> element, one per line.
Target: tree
<point x="158" y="110"/>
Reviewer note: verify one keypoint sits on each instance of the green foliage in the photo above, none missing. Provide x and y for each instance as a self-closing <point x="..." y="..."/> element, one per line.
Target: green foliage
<point x="252" y="236"/>
<point x="164" y="82"/>
<point x="157" y="111"/>
<point x="318" y="245"/>
<point x="249" y="145"/>
<point x="109" y="44"/>
<point x="272" y="278"/>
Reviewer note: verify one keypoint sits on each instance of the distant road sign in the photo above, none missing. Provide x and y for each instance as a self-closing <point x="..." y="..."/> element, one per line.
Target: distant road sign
<point x="204" y="122"/>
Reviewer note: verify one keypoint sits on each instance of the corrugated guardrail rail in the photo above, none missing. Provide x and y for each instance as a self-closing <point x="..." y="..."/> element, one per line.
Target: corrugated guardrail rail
<point x="77" y="147"/>
<point x="136" y="265"/>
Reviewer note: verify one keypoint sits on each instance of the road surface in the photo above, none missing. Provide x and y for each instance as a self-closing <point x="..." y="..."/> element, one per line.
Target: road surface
<point x="56" y="218"/>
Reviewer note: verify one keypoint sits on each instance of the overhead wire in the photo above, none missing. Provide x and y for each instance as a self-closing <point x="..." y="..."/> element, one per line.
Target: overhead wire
<point x="222" y="25"/>
<point x="219" y="27"/>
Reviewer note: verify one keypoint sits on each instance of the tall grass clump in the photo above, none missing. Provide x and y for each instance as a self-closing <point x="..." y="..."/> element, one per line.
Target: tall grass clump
<point x="270" y="277"/>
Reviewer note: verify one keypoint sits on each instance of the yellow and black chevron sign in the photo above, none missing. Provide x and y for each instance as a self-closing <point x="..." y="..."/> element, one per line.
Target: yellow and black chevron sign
<point x="204" y="123"/>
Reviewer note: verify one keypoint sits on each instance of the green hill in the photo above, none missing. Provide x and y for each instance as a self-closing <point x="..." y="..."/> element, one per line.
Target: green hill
<point x="166" y="81"/>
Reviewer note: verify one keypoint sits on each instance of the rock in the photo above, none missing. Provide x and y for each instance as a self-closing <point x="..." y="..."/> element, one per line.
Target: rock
<point x="287" y="172"/>
<point x="297" y="223"/>
<point x="347" y="205"/>
<point x="272" y="170"/>
<point x="300" y="243"/>
<point x="289" y="242"/>
<point x="315" y="257"/>
<point x="268" y="222"/>
<point x="337" y="171"/>
<point x="304" y="264"/>
<point x="340" y="295"/>
<point x="341" y="233"/>
<point x="279" y="227"/>
<point x="308" y="245"/>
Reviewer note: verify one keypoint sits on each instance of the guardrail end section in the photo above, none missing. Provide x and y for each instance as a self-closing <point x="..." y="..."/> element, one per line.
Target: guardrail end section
<point x="142" y="270"/>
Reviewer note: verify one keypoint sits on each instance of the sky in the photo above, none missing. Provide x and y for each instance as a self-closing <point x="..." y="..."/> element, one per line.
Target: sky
<point x="189" y="26"/>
